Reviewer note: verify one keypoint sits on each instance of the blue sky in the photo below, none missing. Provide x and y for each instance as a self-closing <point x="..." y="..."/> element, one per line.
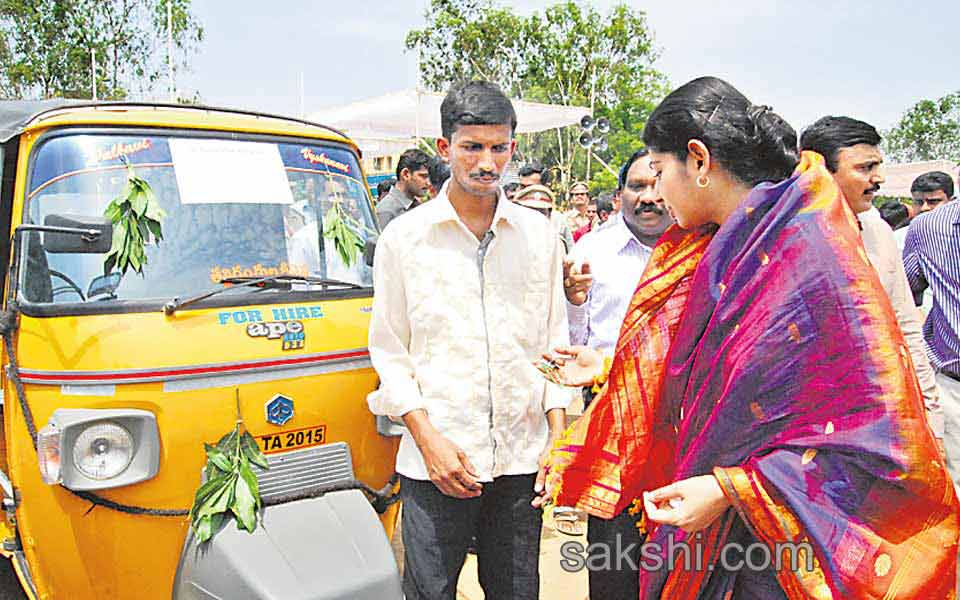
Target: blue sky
<point x="871" y="60"/>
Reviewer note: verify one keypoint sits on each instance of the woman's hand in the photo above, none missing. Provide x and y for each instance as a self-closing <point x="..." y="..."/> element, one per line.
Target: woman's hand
<point x="690" y="504"/>
<point x="578" y="365"/>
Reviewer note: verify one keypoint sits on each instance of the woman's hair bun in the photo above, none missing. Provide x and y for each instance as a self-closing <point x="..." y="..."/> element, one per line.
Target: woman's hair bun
<point x="751" y="141"/>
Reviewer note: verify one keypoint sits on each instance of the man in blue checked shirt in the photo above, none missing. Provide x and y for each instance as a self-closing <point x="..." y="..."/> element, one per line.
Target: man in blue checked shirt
<point x="931" y="256"/>
<point x="602" y="272"/>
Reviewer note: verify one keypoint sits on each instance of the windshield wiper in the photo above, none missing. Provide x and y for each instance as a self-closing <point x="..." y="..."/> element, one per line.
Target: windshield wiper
<point x="285" y="281"/>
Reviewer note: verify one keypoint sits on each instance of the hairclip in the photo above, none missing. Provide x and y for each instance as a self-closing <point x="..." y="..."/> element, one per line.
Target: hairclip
<point x="715" y="108"/>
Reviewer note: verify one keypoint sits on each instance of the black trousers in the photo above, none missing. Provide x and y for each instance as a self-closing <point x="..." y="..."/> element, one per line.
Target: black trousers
<point x="620" y="580"/>
<point x="437" y="529"/>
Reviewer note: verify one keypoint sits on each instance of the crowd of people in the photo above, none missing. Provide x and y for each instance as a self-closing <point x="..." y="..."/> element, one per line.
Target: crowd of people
<point x="743" y="323"/>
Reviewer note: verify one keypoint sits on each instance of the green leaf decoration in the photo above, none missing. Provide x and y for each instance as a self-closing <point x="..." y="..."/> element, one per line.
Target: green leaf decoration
<point x="252" y="451"/>
<point x="343" y="231"/>
<point x="228" y="443"/>
<point x="244" y="506"/>
<point x="248" y="476"/>
<point x="218" y="458"/>
<point x="203" y="528"/>
<point x="231" y="487"/>
<point x="136" y="215"/>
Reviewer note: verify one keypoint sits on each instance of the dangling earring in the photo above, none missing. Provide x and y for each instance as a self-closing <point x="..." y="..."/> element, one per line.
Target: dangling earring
<point x="703" y="181"/>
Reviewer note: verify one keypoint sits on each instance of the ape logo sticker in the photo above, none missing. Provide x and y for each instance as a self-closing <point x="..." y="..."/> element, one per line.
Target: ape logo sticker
<point x="290" y="333"/>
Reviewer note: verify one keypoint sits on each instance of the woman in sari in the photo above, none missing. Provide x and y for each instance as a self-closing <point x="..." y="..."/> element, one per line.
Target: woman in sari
<point x="761" y="406"/>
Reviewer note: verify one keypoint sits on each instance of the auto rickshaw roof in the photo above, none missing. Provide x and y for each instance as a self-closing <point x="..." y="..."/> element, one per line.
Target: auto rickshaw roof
<point x="17" y="116"/>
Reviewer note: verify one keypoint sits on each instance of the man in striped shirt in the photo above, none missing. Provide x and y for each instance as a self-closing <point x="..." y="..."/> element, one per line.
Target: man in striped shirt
<point x="931" y="256"/>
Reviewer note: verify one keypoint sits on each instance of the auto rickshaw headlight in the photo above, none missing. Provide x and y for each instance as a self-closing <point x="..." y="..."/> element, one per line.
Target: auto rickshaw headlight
<point x="95" y="449"/>
<point x="103" y="450"/>
<point x="48" y="453"/>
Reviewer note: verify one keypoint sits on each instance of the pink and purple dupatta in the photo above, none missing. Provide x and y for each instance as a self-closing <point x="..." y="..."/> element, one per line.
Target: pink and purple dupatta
<point x="785" y="374"/>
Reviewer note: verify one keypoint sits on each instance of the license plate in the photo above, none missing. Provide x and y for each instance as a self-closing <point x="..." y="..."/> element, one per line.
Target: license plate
<point x="291" y="440"/>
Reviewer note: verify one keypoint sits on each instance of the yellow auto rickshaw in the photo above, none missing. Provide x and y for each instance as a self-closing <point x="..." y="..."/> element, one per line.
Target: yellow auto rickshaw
<point x="128" y="345"/>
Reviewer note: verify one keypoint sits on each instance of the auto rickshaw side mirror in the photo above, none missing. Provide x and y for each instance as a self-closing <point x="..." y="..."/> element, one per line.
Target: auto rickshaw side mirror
<point x="369" y="249"/>
<point x="67" y="242"/>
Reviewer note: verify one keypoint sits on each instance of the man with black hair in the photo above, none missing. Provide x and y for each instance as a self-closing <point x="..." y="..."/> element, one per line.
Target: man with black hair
<point x="439" y="174"/>
<point x="469" y="293"/>
<point x="384" y="187"/>
<point x="931" y="190"/>
<point x="605" y="265"/>
<point x="851" y="150"/>
<point x="533" y="174"/>
<point x="931" y="256"/>
<point x="895" y="215"/>
<point x="605" y="207"/>
<point x="413" y="184"/>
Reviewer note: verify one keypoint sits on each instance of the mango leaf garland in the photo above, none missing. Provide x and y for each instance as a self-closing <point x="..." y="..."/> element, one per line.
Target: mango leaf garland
<point x="342" y="230"/>
<point x="231" y="487"/>
<point x="136" y="215"/>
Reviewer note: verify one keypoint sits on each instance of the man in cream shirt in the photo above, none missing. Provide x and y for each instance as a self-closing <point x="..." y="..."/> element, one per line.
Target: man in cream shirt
<point x="468" y="295"/>
<point x="851" y="149"/>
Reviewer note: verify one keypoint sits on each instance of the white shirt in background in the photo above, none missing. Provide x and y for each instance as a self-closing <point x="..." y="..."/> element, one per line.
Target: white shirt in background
<point x="617" y="260"/>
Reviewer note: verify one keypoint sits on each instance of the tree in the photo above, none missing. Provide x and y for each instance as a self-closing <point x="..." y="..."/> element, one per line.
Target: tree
<point x="48" y="44"/>
<point x="567" y="54"/>
<point x="929" y="130"/>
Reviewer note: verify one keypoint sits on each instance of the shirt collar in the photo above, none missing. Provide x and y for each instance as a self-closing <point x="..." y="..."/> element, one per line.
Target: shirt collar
<point x="406" y="200"/>
<point x="442" y="211"/>
<point x="621" y="233"/>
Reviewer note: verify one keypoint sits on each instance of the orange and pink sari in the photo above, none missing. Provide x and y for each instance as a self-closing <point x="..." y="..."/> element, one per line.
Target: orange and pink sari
<point x="767" y="353"/>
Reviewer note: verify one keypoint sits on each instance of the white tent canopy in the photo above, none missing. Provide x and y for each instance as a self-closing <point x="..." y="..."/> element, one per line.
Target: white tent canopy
<point x="403" y="116"/>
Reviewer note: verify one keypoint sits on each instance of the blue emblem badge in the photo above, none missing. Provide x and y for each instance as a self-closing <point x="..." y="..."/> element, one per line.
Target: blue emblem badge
<point x="279" y="409"/>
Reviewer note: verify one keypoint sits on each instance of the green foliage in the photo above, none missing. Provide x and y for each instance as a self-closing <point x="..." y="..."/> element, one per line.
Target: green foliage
<point x="47" y="44"/>
<point x="563" y="55"/>
<point x="231" y="486"/>
<point x="343" y="231"/>
<point x="470" y="39"/>
<point x="136" y="215"/>
<point x="929" y="130"/>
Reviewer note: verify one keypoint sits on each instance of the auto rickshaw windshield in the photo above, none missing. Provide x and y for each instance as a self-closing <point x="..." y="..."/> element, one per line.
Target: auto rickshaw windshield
<point x="231" y="208"/>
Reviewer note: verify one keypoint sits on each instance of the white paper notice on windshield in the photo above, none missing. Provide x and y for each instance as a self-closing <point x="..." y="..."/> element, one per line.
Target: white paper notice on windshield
<point x="221" y="171"/>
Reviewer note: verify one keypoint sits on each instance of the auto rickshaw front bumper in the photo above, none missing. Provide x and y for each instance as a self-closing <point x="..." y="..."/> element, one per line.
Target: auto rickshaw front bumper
<point x="326" y="548"/>
<point x="331" y="547"/>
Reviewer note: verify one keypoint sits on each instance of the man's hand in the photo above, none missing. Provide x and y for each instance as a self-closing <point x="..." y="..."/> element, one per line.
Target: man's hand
<point x="449" y="468"/>
<point x="447" y="464"/>
<point x="576" y="282"/>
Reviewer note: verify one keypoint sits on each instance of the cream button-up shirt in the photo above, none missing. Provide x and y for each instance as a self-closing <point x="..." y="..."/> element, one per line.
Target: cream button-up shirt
<point x="456" y="327"/>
